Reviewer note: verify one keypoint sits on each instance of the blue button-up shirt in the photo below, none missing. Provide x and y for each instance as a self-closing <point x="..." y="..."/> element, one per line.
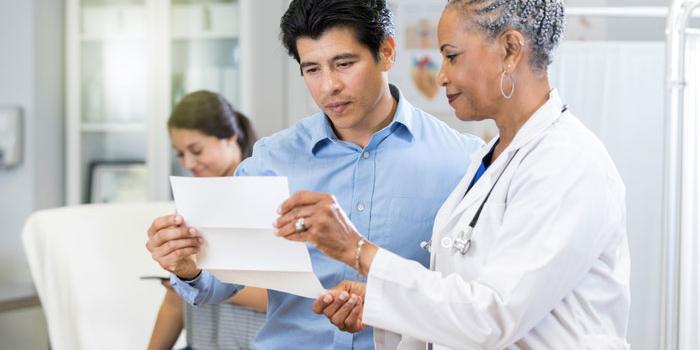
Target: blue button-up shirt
<point x="391" y="190"/>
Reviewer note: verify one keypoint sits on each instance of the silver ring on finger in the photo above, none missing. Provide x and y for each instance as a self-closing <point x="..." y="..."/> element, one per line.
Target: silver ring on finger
<point x="299" y="225"/>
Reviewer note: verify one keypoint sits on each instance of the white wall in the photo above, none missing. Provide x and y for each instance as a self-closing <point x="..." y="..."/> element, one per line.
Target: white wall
<point x="32" y="78"/>
<point x="263" y="65"/>
<point x="16" y="185"/>
<point x="31" y="66"/>
<point x="48" y="115"/>
<point x="31" y="69"/>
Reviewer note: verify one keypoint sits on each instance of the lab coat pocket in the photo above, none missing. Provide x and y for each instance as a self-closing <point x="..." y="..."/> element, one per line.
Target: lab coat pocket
<point x="603" y="342"/>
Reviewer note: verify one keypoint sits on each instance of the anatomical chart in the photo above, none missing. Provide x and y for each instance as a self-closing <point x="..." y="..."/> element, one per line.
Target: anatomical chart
<point x="418" y="57"/>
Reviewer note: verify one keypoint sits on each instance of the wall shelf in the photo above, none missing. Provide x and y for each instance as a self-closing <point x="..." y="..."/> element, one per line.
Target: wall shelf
<point x="114" y="127"/>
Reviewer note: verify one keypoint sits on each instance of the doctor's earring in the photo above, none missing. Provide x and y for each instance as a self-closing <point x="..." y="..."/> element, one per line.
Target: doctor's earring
<point x="506" y="76"/>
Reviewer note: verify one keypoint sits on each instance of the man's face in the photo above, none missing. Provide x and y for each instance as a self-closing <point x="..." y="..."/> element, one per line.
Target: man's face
<point x="343" y="77"/>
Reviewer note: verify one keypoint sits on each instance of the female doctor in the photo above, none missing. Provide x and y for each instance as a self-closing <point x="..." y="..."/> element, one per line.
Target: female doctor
<point x="530" y="249"/>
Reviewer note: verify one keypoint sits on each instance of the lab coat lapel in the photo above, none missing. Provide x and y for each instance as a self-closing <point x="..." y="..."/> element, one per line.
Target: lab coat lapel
<point x="456" y="198"/>
<point x="477" y="194"/>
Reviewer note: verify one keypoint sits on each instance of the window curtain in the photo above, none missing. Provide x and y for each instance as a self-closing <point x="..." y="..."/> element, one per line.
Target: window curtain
<point x="617" y="90"/>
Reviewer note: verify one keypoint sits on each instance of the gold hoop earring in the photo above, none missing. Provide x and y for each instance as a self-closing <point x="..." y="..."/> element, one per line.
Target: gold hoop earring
<point x="512" y="85"/>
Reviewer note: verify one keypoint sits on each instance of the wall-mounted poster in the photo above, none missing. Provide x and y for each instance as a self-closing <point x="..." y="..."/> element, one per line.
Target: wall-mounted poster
<point x="418" y="57"/>
<point x="418" y="62"/>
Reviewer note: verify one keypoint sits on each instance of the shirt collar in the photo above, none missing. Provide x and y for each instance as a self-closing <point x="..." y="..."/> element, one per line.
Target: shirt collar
<point x="540" y="120"/>
<point x="322" y="131"/>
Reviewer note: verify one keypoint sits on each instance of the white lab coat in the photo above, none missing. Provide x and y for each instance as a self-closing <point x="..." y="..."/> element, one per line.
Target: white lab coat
<point x="549" y="264"/>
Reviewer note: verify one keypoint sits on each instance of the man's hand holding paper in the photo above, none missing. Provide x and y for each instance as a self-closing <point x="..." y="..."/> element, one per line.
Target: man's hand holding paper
<point x="174" y="245"/>
<point x="234" y="216"/>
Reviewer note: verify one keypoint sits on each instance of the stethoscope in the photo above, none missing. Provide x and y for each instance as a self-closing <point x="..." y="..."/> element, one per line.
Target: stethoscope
<point x="463" y="242"/>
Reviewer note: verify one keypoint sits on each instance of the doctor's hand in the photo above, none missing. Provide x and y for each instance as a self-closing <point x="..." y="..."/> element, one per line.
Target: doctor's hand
<point x="343" y="306"/>
<point x="174" y="245"/>
<point x="318" y="219"/>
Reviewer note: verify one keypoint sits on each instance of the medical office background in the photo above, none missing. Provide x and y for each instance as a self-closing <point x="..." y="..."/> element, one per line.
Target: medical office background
<point x="86" y="87"/>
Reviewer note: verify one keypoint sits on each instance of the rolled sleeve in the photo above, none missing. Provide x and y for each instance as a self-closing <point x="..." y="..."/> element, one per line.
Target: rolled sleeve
<point x="204" y="289"/>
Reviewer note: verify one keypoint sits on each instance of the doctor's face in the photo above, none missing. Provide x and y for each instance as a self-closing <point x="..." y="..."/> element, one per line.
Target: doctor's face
<point x="343" y="77"/>
<point x="470" y="69"/>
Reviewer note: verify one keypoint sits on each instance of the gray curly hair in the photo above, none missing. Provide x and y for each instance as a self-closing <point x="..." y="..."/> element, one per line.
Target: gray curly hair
<point x="541" y="21"/>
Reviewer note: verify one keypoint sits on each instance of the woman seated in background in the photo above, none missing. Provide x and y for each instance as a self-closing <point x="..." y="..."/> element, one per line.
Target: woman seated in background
<point x="211" y="139"/>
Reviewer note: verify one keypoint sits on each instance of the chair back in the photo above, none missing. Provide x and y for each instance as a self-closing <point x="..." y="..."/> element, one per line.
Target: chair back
<point x="86" y="262"/>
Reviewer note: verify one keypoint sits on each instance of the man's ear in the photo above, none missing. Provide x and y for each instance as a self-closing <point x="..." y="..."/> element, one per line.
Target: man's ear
<point x="387" y="53"/>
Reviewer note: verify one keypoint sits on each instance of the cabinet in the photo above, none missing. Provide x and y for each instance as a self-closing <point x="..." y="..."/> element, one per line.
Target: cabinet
<point x="128" y="62"/>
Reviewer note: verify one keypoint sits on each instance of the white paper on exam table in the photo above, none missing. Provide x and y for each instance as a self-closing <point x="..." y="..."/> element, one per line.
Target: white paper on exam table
<point x="235" y="216"/>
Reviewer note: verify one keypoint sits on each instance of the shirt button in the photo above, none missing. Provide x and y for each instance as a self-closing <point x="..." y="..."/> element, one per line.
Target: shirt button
<point x="360" y="207"/>
<point x="365" y="155"/>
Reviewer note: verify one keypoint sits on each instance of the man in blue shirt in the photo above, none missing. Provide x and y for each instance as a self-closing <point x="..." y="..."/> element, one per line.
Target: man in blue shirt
<point x="388" y="164"/>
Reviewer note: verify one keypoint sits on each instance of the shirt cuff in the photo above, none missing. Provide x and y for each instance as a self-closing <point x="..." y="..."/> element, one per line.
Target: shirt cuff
<point x="182" y="288"/>
<point x="204" y="289"/>
<point x="189" y="290"/>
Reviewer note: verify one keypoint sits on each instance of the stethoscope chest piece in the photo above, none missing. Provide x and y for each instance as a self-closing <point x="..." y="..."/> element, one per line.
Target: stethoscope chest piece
<point x="463" y="242"/>
<point x="462" y="245"/>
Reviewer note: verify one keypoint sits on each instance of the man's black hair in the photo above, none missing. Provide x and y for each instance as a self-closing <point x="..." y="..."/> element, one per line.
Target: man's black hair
<point x="370" y="19"/>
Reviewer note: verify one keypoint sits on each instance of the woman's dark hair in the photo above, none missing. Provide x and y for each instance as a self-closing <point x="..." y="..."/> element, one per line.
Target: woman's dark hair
<point x="370" y="19"/>
<point x="211" y="114"/>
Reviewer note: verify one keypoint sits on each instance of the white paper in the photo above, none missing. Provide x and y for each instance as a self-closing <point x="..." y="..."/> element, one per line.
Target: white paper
<point x="235" y="216"/>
